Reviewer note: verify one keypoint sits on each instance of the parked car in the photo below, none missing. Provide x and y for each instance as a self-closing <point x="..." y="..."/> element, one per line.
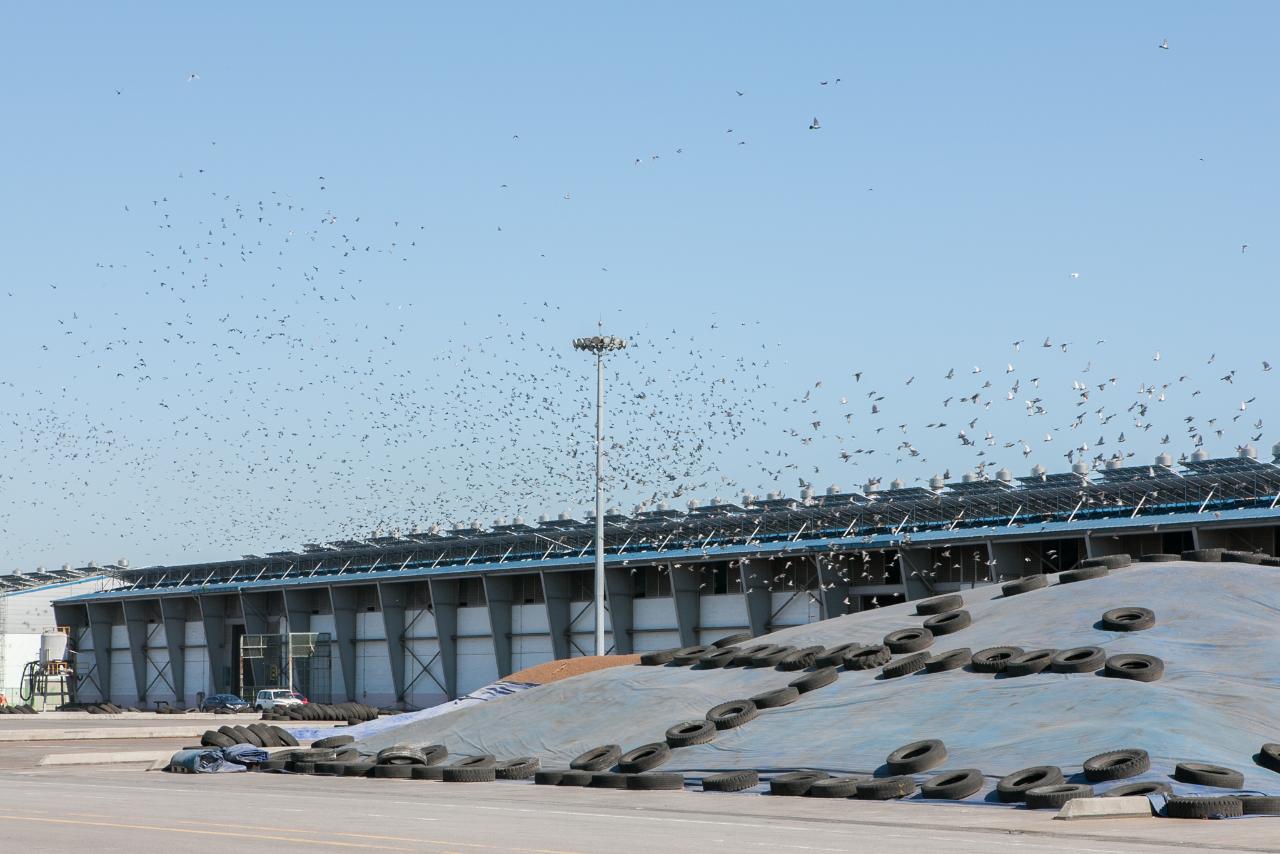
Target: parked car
<point x="224" y="701"/>
<point x="270" y="698"/>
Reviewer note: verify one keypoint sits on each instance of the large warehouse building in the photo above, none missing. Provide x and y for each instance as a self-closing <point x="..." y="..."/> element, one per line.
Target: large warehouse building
<point x="419" y="618"/>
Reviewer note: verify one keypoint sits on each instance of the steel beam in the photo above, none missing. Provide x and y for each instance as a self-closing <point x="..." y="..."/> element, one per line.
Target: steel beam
<point x="833" y="588"/>
<point x="393" y="599"/>
<point x="296" y="607"/>
<point x="755" y="589"/>
<point x="620" y="600"/>
<point x="173" y="610"/>
<point x="254" y="608"/>
<point x="135" y="624"/>
<point x="101" y="617"/>
<point x="684" y="595"/>
<point x="343" y="601"/>
<point x="498" y="593"/>
<point x="444" y="607"/>
<point x="913" y="566"/>
<point x="213" y="614"/>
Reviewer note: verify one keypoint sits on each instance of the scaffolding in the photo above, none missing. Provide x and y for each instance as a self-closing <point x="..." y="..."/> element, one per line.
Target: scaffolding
<point x="297" y="661"/>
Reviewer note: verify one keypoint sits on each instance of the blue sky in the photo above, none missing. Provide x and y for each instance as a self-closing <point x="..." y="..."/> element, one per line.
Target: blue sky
<point x="970" y="158"/>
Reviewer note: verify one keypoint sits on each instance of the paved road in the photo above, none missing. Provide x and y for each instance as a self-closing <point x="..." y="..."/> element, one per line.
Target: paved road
<point x="123" y="809"/>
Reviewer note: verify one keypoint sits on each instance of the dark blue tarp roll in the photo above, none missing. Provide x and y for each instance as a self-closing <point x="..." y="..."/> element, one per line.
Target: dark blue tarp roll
<point x="244" y="754"/>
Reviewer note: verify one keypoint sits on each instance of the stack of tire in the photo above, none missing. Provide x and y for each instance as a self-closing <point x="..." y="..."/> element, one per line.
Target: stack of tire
<point x="256" y="734"/>
<point x="352" y="713"/>
<point x="17" y="710"/>
<point x="95" y="708"/>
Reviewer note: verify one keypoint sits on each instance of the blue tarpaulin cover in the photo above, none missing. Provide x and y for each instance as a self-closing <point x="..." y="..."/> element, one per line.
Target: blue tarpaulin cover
<point x="1217" y="631"/>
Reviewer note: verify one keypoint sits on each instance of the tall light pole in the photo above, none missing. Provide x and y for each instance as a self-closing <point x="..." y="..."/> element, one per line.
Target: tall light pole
<point x="599" y="345"/>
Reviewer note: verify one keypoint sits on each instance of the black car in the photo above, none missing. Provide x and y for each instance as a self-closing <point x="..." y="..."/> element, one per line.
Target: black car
<point x="230" y="702"/>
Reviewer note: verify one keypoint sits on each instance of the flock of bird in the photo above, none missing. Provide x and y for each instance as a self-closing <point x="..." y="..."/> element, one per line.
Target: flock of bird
<point x="256" y="380"/>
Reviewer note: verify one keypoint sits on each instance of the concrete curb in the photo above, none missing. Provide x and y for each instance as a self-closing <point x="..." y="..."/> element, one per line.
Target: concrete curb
<point x="190" y="731"/>
<point x="1137" y="806"/>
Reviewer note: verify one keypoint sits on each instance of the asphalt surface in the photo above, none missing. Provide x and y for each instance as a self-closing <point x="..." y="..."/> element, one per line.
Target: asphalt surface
<point x="125" y="809"/>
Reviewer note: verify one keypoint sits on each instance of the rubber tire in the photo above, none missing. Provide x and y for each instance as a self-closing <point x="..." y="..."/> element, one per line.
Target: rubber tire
<point x="939" y="605"/>
<point x="994" y="659"/>
<point x="428" y="772"/>
<point x="597" y="758"/>
<point x="608" y="780"/>
<point x="1129" y="790"/>
<point x="1013" y="788"/>
<point x="286" y="738"/>
<point x="1203" y="555"/>
<point x="213" y="738"/>
<point x="771" y="657"/>
<point x="548" y="777"/>
<point x="795" y="784"/>
<point x="1242" y="557"/>
<point x="776" y="698"/>
<point x="1269" y="756"/>
<point x="917" y="756"/>
<point x="333" y="741"/>
<point x="746" y="653"/>
<point x="689" y="654"/>
<point x="886" y="788"/>
<point x="330" y="769"/>
<point x="1158" y="558"/>
<point x="656" y="657"/>
<point x="730" y="781"/>
<point x="1259" y="804"/>
<point x="580" y="779"/>
<point x="1024" y="585"/>
<point x="1054" y="796"/>
<point x="480" y="760"/>
<point x="1030" y="663"/>
<point x="517" y="769"/>
<point x="358" y="769"/>
<point x="716" y="659"/>
<point x="817" y="679"/>
<point x="952" y="785"/>
<point x="1080" y="659"/>
<point x="1128" y="619"/>
<point x="905" y="666"/>
<point x="434" y="754"/>
<point x="835" y="787"/>
<point x="951" y="660"/>
<point x="732" y="714"/>
<point x="644" y="757"/>
<point x="656" y="781"/>
<point x="834" y="655"/>
<point x="1201" y="774"/>
<point x="732" y="640"/>
<point x="393" y="772"/>
<point x="867" y="657"/>
<point x="689" y="733"/>
<point x="801" y="659"/>
<point x="1116" y="765"/>
<point x="400" y="754"/>
<point x="1084" y="573"/>
<point x="948" y="623"/>
<point x="1126" y="666"/>
<point x="1203" y="807"/>
<point x="908" y="640"/>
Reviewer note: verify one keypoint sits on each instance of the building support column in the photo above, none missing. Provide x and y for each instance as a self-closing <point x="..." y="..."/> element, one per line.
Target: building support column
<point x="213" y="614"/>
<point x="755" y="589"/>
<point x="1008" y="562"/>
<point x="101" y="617"/>
<point x="498" y="593"/>
<point x="135" y="624"/>
<point x="392" y="600"/>
<point x="296" y="609"/>
<point x="833" y="588"/>
<point x="343" y="602"/>
<point x="555" y="593"/>
<point x="254" y="608"/>
<point x="620" y="599"/>
<point x="444" y="607"/>
<point x="913" y="565"/>
<point x="174" y="613"/>
<point x="684" y="595"/>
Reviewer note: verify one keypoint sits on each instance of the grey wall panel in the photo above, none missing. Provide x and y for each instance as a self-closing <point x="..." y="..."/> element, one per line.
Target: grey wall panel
<point x="296" y="607"/>
<point x="444" y="606"/>
<point x="833" y="588"/>
<point x="135" y="623"/>
<point x="498" y="593"/>
<point x="621" y="604"/>
<point x="254" y="608"/>
<point x="101" y="617"/>
<point x="343" y="601"/>
<point x="915" y="566"/>
<point x="213" y="613"/>
<point x="393" y="599"/>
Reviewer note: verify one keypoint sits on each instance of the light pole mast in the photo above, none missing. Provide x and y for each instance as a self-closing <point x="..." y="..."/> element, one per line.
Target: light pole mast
<point x="599" y="345"/>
